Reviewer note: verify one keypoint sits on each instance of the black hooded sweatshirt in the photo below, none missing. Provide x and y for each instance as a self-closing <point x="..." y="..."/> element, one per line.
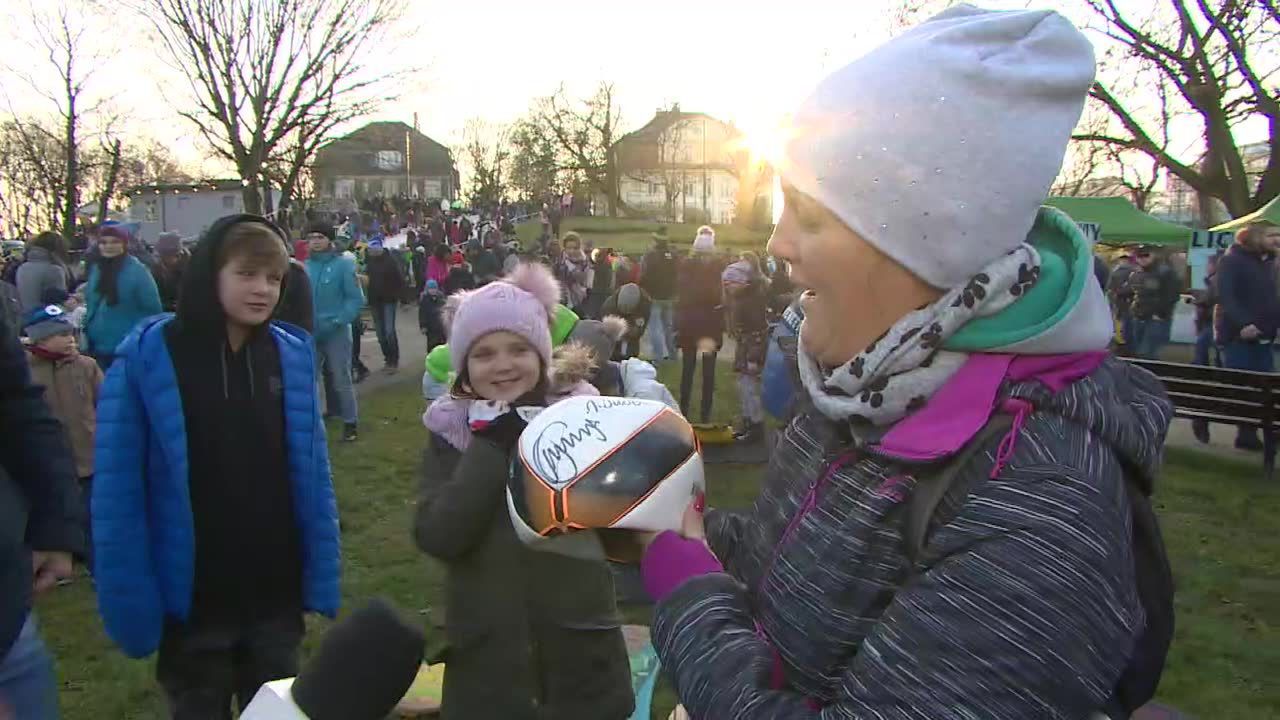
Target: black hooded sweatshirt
<point x="248" y="562"/>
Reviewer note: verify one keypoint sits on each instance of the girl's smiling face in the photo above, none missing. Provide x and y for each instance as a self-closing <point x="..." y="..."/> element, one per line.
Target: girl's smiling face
<point x="503" y="366"/>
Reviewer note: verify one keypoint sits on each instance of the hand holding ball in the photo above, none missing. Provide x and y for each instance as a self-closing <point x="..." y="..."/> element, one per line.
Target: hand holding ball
<point x="603" y="464"/>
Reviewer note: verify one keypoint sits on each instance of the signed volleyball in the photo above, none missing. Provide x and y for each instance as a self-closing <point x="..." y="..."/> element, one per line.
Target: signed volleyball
<point x="603" y="463"/>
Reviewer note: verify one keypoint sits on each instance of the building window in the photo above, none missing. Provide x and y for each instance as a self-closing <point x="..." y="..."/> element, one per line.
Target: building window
<point x="389" y="160"/>
<point x="149" y="211"/>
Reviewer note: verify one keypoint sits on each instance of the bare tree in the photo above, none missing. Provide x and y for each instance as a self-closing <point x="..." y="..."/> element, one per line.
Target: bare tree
<point x="289" y="167"/>
<point x="261" y="73"/>
<point x="60" y="37"/>
<point x="113" y="176"/>
<point x="487" y="150"/>
<point x="31" y="177"/>
<point x="672" y="162"/>
<point x="1214" y="63"/>
<point x="535" y="169"/>
<point x="585" y="133"/>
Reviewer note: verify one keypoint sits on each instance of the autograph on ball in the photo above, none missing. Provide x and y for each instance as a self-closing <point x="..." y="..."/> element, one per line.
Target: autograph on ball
<point x="553" y="449"/>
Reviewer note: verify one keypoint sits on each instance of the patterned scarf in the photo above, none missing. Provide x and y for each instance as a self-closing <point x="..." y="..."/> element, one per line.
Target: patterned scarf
<point x="898" y="372"/>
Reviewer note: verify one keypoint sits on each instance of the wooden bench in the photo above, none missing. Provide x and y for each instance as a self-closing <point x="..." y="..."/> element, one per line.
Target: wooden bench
<point x="1219" y="395"/>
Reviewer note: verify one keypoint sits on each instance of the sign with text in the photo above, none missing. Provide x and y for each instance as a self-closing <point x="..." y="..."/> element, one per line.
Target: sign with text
<point x="1204" y="245"/>
<point x="1092" y="232"/>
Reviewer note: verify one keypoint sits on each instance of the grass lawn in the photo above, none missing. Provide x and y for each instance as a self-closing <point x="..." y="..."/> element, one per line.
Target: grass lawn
<point x="1221" y="523"/>
<point x="632" y="236"/>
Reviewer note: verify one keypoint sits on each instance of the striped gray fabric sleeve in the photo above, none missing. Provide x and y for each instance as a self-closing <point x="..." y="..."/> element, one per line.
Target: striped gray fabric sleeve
<point x="1025" y="611"/>
<point x="724" y="535"/>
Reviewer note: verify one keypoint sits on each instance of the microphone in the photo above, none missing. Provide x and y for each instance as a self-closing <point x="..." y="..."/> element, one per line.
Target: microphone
<point x="364" y="666"/>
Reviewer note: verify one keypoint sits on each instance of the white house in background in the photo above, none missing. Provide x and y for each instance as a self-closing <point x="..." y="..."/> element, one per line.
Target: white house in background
<point x="185" y="208"/>
<point x="682" y="165"/>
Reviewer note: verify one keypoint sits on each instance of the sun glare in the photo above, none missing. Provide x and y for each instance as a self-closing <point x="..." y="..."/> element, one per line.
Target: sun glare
<point x="765" y="140"/>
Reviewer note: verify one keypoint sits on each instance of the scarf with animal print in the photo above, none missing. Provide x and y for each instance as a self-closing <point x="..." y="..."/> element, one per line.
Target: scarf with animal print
<point x="898" y="372"/>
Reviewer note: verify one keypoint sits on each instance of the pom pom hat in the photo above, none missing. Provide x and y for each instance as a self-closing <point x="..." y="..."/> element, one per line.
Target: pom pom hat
<point x="523" y="303"/>
<point x="939" y="146"/>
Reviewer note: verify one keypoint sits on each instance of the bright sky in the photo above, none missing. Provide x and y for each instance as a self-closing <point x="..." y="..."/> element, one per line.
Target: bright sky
<point x="746" y="61"/>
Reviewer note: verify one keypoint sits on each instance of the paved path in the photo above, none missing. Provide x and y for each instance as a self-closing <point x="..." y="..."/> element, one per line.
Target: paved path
<point x="1222" y="441"/>
<point x="413" y="353"/>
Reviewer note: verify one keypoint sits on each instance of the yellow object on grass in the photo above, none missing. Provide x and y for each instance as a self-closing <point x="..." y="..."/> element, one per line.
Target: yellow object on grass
<point x="424" y="694"/>
<point x="712" y="434"/>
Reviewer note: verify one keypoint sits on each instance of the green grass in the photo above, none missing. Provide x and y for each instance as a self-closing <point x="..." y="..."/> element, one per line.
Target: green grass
<point x="1221" y="522"/>
<point x="636" y="236"/>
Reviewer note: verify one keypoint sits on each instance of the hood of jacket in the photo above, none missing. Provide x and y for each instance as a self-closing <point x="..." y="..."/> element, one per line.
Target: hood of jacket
<point x="199" y="310"/>
<point x="41" y="255"/>
<point x="635" y="370"/>
<point x="1064" y="312"/>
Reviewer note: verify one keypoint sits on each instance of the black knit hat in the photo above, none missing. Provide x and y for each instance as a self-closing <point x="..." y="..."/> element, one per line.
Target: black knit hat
<point x="324" y="229"/>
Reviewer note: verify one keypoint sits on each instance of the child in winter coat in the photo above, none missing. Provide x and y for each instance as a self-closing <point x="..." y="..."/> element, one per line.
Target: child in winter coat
<point x="531" y="634"/>
<point x="430" y="306"/>
<point x="214" y="521"/>
<point x="71" y="383"/>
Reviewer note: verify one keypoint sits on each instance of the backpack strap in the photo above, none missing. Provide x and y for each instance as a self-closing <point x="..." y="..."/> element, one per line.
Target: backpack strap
<point x="937" y="480"/>
<point x="1152" y="573"/>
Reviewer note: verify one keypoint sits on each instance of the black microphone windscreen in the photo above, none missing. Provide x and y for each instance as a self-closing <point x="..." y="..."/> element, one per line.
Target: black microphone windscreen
<point x="364" y="666"/>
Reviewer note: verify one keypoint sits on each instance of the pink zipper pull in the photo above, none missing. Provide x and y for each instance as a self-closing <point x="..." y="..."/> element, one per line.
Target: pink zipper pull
<point x="1020" y="409"/>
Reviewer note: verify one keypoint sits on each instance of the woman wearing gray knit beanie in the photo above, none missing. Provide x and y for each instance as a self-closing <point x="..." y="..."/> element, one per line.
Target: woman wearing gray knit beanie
<point x="956" y="523"/>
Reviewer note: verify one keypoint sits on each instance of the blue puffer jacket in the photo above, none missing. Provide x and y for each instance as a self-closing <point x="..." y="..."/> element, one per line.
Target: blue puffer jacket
<point x="106" y="325"/>
<point x="143" y="530"/>
<point x="335" y="292"/>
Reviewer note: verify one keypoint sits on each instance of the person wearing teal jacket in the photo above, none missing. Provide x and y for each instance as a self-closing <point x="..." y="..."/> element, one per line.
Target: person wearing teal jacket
<point x="337" y="299"/>
<point x="120" y="292"/>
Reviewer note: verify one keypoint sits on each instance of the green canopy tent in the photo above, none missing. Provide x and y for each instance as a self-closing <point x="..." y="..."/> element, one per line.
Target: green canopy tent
<point x="1121" y="223"/>
<point x="1270" y="212"/>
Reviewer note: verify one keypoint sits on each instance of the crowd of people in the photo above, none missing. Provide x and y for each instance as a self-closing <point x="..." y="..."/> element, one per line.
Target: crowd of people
<point x="955" y="520"/>
<point x="1237" y="307"/>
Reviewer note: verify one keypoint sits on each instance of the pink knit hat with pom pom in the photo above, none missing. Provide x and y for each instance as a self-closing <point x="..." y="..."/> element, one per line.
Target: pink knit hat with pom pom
<point x="521" y="303"/>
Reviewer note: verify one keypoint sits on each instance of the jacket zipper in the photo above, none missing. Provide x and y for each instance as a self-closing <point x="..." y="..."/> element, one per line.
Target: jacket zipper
<point x="810" y="502"/>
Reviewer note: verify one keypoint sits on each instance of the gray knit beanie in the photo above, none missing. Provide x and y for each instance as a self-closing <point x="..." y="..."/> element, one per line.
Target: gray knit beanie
<point x="939" y="146"/>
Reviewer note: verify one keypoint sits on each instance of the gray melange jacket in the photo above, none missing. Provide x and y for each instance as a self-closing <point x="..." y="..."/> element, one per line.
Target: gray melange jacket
<point x="36" y="275"/>
<point x="1024" y="604"/>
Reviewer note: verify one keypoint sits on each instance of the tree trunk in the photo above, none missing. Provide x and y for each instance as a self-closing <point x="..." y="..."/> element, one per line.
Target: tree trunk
<point x="1213" y="172"/>
<point x="72" y="181"/>
<point x="252" y="198"/>
<point x="268" y="202"/>
<point x="113" y="173"/>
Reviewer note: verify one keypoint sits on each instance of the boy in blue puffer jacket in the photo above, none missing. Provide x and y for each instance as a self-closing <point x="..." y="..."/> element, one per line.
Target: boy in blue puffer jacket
<point x="214" y="520"/>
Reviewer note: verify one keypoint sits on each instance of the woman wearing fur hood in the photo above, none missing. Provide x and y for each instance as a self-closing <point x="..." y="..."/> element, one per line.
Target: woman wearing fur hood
<point x="545" y="624"/>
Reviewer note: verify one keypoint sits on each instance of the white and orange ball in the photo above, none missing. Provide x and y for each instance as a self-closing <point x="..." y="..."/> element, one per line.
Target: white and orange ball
<point x="602" y="464"/>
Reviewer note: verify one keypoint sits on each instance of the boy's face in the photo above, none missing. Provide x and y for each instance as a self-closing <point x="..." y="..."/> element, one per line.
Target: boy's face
<point x="318" y="242"/>
<point x="248" y="292"/>
<point x="63" y="344"/>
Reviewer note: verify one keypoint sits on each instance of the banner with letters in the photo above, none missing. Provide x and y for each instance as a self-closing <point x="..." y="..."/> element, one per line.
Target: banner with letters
<point x="1204" y="245"/>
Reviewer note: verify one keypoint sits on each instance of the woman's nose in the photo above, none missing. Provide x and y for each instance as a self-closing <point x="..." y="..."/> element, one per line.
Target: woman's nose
<point x="780" y="245"/>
